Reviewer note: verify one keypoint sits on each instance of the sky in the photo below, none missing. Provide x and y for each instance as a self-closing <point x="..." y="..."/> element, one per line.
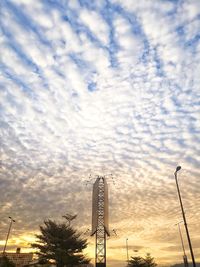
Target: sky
<point x="97" y="88"/>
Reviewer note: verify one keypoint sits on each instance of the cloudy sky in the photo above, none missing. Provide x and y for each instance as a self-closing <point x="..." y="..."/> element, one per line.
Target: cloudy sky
<point x="100" y="87"/>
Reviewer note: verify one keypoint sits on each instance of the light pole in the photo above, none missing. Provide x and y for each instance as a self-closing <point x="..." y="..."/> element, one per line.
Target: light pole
<point x="184" y="218"/>
<point x="10" y="225"/>
<point x="184" y="254"/>
<point x="69" y="218"/>
<point x="127" y="250"/>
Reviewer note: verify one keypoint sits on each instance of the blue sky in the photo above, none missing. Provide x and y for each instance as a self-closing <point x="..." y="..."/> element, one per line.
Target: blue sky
<point x="98" y="87"/>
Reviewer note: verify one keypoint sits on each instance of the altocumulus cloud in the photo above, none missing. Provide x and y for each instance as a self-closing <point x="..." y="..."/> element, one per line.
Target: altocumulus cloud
<point x="101" y="87"/>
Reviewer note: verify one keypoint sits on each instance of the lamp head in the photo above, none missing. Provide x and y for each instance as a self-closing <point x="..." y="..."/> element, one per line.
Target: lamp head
<point x="178" y="168"/>
<point x="11" y="219"/>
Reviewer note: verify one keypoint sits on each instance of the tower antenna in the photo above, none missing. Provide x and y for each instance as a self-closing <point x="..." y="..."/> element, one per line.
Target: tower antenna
<point x="100" y="225"/>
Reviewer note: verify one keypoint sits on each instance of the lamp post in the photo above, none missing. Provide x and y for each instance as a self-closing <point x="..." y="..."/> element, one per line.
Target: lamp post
<point x="69" y="218"/>
<point x="184" y="218"/>
<point x="127" y="250"/>
<point x="10" y="225"/>
<point x="184" y="254"/>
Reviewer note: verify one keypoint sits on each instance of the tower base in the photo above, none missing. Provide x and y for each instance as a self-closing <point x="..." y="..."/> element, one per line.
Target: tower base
<point x="100" y="265"/>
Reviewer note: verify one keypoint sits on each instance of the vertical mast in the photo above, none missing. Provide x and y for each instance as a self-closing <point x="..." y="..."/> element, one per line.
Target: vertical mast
<point x="100" y="220"/>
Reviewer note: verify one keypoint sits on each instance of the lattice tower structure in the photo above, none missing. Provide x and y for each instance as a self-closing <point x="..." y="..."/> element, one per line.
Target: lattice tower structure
<point x="100" y="226"/>
<point x="100" y="232"/>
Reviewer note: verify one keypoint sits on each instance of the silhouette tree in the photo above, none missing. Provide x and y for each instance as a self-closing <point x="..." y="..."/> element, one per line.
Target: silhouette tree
<point x="60" y="243"/>
<point x="149" y="261"/>
<point x="138" y="261"/>
<point x="5" y="262"/>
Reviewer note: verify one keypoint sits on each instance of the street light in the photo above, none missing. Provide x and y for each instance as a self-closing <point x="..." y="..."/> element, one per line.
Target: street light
<point x="69" y="218"/>
<point x="10" y="225"/>
<point x="184" y="218"/>
<point x="127" y="250"/>
<point x="185" y="261"/>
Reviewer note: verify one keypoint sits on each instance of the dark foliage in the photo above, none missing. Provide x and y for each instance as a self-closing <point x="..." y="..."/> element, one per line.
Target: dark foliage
<point x="136" y="262"/>
<point x="5" y="262"/>
<point x="148" y="261"/>
<point x="60" y="243"/>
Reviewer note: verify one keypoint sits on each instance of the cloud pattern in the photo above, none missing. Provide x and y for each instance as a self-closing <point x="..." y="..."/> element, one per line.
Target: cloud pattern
<point x="99" y="87"/>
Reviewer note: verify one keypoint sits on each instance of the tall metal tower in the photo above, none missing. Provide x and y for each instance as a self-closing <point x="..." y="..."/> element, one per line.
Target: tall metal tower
<point x="100" y="226"/>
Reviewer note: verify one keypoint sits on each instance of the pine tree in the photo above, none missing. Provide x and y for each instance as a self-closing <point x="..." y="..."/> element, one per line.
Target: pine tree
<point x="149" y="261"/>
<point x="60" y="243"/>
<point x="136" y="262"/>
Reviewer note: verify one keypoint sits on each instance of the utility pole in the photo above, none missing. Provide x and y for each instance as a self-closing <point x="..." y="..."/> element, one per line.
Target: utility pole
<point x="185" y="260"/>
<point x="184" y="218"/>
<point x="10" y="225"/>
<point x="127" y="250"/>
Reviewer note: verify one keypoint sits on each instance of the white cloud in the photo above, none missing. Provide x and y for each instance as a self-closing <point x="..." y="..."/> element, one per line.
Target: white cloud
<point x="96" y="24"/>
<point x="131" y="46"/>
<point x="190" y="9"/>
